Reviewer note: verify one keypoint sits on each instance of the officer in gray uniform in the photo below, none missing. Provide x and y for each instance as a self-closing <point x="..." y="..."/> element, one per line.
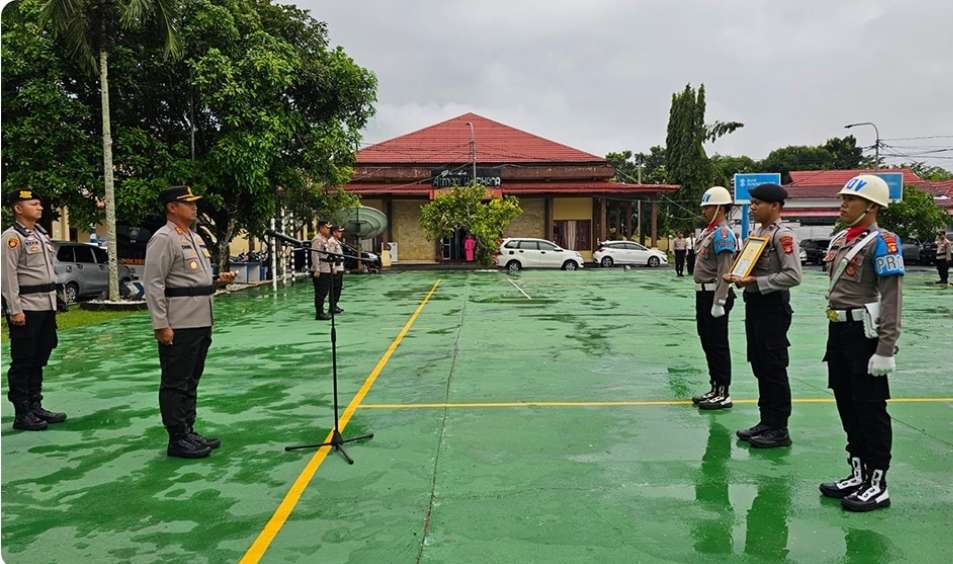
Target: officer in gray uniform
<point x="179" y="287"/>
<point x="321" y="270"/>
<point x="29" y="304"/>
<point x="864" y="303"/>
<point x="768" y="316"/>
<point x="334" y="246"/>
<point x="714" y="298"/>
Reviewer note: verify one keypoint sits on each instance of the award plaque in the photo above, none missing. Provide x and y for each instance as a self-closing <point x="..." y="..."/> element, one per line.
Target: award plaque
<point x="749" y="256"/>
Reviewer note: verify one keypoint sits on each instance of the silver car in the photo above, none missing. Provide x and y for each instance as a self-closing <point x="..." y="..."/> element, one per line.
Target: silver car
<point x="83" y="270"/>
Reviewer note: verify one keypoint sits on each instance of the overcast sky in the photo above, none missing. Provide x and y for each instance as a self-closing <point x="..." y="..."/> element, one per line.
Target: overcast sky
<point x="598" y="74"/>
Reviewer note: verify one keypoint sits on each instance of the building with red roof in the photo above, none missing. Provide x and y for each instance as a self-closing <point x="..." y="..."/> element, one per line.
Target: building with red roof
<point x="567" y="195"/>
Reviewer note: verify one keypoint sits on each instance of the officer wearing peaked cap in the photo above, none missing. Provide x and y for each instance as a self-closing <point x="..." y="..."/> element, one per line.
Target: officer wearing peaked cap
<point x="179" y="287"/>
<point x="768" y="316"/>
<point x="29" y="304"/>
<point x="864" y="303"/>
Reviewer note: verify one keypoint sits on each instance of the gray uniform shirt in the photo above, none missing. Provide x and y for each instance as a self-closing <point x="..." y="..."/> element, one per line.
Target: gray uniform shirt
<point x="779" y="266"/>
<point x="27" y="261"/>
<point x="334" y="246"/>
<point x="320" y="260"/>
<point x="715" y="252"/>
<point x="861" y="284"/>
<point x="177" y="258"/>
<point x="944" y="249"/>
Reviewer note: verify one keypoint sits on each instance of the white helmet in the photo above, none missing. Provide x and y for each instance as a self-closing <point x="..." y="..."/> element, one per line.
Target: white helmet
<point x="716" y="196"/>
<point x="869" y="187"/>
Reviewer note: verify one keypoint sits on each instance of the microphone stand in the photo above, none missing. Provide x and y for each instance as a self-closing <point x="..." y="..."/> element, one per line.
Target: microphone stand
<point x="337" y="441"/>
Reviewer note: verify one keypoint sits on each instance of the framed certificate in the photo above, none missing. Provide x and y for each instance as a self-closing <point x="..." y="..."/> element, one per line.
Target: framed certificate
<point x="749" y="256"/>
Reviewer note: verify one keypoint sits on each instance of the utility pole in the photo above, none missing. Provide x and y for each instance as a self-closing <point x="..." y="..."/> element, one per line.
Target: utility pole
<point x="876" y="141"/>
<point x="472" y="152"/>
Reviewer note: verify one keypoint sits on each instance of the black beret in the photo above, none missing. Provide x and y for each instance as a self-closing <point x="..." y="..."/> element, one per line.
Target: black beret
<point x="337" y="228"/>
<point x="178" y="194"/>
<point x="322" y="223"/>
<point x="21" y="195"/>
<point x="769" y="193"/>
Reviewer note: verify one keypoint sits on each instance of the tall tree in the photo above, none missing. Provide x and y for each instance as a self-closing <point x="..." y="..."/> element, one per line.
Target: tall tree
<point x="89" y="28"/>
<point x="685" y="159"/>
<point x="916" y="217"/>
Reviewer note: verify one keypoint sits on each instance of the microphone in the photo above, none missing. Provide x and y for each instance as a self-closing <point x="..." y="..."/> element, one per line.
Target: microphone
<point x="290" y="240"/>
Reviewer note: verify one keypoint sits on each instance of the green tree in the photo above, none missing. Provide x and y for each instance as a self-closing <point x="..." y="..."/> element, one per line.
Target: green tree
<point x="916" y="217"/>
<point x="837" y="153"/>
<point x="685" y="159"/>
<point x="462" y="207"/>
<point x="627" y="163"/>
<point x="928" y="172"/>
<point x="89" y="29"/>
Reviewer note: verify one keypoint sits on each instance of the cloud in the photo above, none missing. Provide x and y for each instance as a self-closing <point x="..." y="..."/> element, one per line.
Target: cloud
<point x="598" y="75"/>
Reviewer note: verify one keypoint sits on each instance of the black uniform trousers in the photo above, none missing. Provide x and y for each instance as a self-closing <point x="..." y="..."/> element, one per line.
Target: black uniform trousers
<point x="767" y="320"/>
<point x="30" y="348"/>
<point x="690" y="261"/>
<point x="322" y="286"/>
<point x="336" y="291"/>
<point x="182" y="365"/>
<point x="943" y="269"/>
<point x="679" y="262"/>
<point x="861" y="397"/>
<point x="713" y="332"/>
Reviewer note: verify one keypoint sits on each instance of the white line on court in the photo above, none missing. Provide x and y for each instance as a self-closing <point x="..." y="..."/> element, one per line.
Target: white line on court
<point x="508" y="279"/>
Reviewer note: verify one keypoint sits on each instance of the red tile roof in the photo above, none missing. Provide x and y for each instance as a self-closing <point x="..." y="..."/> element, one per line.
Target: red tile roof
<point x="840" y="177"/>
<point x="449" y="142"/>
<point x="519" y="188"/>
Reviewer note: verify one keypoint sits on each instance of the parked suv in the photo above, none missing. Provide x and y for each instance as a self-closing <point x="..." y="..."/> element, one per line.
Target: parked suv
<point x="814" y="250"/>
<point x="517" y="254"/>
<point x="83" y="270"/>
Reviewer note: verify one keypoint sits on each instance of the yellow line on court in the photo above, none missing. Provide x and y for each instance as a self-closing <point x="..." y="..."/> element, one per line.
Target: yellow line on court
<point x="621" y="403"/>
<point x="287" y="505"/>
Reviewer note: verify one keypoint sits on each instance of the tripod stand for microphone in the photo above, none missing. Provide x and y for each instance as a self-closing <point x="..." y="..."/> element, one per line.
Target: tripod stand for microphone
<point x="337" y="440"/>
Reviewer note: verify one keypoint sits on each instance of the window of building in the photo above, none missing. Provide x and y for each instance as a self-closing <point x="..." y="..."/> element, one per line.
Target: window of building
<point x="573" y="234"/>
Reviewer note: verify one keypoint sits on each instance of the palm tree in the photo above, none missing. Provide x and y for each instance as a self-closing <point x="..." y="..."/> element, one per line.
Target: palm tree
<point x="88" y="28"/>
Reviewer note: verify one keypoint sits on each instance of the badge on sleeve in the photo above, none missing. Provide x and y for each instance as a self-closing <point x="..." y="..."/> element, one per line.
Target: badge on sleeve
<point x="888" y="260"/>
<point x="787" y="243"/>
<point x="13" y="243"/>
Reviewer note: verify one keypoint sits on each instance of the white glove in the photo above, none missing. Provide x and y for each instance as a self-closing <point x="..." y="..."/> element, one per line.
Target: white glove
<point x="717" y="310"/>
<point x="881" y="365"/>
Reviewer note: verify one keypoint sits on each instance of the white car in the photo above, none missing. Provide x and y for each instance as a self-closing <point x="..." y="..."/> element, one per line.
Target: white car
<point x="611" y="253"/>
<point x="519" y="253"/>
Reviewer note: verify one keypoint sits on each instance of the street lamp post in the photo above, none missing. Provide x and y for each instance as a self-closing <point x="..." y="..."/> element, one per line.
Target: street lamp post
<point x="876" y="141"/>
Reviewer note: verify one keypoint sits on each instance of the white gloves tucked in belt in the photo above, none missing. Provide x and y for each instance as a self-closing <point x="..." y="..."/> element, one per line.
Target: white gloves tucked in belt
<point x="717" y="310"/>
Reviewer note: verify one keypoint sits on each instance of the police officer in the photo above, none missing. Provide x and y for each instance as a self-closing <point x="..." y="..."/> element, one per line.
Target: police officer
<point x="334" y="246"/>
<point x="944" y="255"/>
<point x="179" y="287"/>
<point x="29" y="303"/>
<point x="714" y="298"/>
<point x="866" y="271"/>
<point x="768" y="316"/>
<point x="321" y="270"/>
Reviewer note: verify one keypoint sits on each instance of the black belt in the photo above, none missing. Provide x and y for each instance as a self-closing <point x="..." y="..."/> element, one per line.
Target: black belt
<point x="37" y="289"/>
<point x="190" y="291"/>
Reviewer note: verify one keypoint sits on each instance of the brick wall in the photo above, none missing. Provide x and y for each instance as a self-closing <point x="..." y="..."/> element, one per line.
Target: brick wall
<point x="412" y="242"/>
<point x="532" y="222"/>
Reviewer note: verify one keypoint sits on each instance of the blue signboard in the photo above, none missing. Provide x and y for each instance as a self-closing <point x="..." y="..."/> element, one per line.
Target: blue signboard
<point x="894" y="181"/>
<point x="745" y="182"/>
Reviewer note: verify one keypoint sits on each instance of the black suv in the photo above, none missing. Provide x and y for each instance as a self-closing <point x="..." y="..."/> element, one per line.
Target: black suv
<point x="815" y="249"/>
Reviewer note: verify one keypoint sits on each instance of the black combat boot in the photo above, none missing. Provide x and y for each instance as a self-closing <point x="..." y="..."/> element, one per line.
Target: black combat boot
<point x="871" y="495"/>
<point x="210" y="442"/>
<point x="181" y="446"/>
<point x="843" y="488"/>
<point x="45" y="415"/>
<point x="322" y="316"/>
<point x="721" y="400"/>
<point x="28" y="421"/>
<point x="771" y="438"/>
<point x="745" y="434"/>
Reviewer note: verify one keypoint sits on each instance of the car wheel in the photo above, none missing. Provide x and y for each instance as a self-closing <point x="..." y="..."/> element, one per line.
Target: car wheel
<point x="653" y="262"/>
<point x="72" y="292"/>
<point x="607" y="262"/>
<point x="514" y="266"/>
<point x="570" y="265"/>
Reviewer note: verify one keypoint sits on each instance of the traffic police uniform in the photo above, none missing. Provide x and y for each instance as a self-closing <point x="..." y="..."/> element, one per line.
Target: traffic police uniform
<point x="715" y="252"/>
<point x="320" y="264"/>
<point x="334" y="246"/>
<point x="178" y="291"/>
<point x="767" y="319"/>
<point x="29" y="287"/>
<point x="867" y="270"/>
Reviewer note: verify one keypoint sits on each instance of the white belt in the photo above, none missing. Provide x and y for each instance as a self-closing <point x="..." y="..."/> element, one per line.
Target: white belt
<point x="706" y="286"/>
<point x="843" y="315"/>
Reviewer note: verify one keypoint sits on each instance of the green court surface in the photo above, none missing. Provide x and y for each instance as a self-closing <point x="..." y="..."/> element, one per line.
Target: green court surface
<point x="534" y="418"/>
